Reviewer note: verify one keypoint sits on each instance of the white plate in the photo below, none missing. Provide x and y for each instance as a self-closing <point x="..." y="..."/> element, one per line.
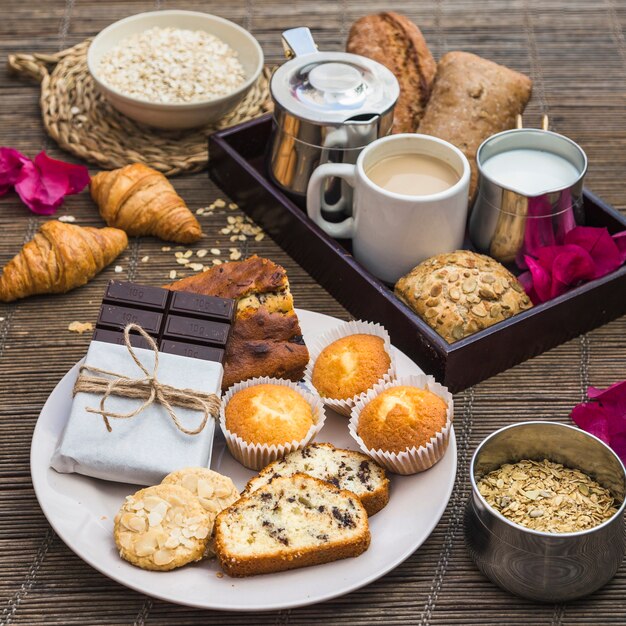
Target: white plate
<point x="81" y="511"/>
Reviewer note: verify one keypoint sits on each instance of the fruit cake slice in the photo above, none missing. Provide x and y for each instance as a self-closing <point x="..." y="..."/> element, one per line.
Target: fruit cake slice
<point x="294" y="521"/>
<point x="346" y="469"/>
<point x="265" y="338"/>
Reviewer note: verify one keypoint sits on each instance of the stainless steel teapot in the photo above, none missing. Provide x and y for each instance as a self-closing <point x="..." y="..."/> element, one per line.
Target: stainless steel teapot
<point x="327" y="107"/>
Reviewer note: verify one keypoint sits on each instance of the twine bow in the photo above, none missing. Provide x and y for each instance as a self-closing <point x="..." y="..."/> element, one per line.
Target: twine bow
<point x="148" y="388"/>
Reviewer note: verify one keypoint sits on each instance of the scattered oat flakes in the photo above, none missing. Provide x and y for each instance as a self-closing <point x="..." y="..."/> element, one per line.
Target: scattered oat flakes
<point x="2" y="319"/>
<point x="118" y="269"/>
<point x="232" y="206"/>
<point x="166" y="249"/>
<point x="216" y="251"/>
<point x="178" y="255"/>
<point x="219" y="203"/>
<point x="66" y="218"/>
<point x="200" y="211"/>
<point x="182" y="261"/>
<point x="235" y="255"/>
<point x="217" y="262"/>
<point x="259" y="237"/>
<point x="187" y="254"/>
<point x="241" y="237"/>
<point x="196" y="267"/>
<point x="547" y="496"/>
<point x="172" y="274"/>
<point x="231" y="220"/>
<point x="80" y="327"/>
<point x="145" y="259"/>
<point x="225" y="231"/>
<point x="201" y="253"/>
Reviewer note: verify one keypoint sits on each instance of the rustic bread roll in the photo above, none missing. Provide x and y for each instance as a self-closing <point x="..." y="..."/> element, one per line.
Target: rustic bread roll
<point x="472" y="99"/>
<point x="460" y="293"/>
<point x="397" y="43"/>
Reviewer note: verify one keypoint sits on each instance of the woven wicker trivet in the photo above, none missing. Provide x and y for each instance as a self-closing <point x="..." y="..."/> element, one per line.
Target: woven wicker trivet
<point x="81" y="121"/>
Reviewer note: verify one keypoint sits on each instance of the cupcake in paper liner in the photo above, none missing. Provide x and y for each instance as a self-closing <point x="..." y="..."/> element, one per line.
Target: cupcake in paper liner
<point x="404" y="424"/>
<point x="263" y="419"/>
<point x="347" y="361"/>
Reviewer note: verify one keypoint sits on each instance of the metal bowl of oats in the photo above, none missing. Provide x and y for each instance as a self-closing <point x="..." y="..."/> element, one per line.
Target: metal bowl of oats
<point x="545" y="519"/>
<point x="174" y="69"/>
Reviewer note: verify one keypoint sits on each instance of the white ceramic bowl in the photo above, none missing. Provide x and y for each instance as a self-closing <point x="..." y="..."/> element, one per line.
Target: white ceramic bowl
<point x="188" y="114"/>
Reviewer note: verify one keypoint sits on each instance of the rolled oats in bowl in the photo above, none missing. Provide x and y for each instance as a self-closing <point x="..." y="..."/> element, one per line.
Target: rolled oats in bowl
<point x="547" y="496"/>
<point x="172" y="66"/>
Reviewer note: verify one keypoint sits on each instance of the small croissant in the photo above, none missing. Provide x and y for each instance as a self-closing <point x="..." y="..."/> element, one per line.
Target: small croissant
<point x="141" y="201"/>
<point x="60" y="257"/>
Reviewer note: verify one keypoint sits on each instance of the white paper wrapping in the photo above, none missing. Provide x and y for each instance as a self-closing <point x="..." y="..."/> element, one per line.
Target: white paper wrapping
<point x="144" y="448"/>
<point x="414" y="459"/>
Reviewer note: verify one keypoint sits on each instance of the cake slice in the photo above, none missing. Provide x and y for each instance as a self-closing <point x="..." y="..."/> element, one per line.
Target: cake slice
<point x="265" y="338"/>
<point x="346" y="469"/>
<point x="294" y="521"/>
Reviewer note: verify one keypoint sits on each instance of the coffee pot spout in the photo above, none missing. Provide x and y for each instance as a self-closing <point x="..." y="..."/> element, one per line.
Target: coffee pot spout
<point x="298" y="42"/>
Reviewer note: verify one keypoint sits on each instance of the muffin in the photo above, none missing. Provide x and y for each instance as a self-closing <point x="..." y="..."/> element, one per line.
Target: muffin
<point x="400" y="418"/>
<point x="269" y="414"/>
<point x="349" y="366"/>
<point x="462" y="292"/>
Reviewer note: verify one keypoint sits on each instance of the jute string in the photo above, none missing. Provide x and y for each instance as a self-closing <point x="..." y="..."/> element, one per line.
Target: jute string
<point x="149" y="388"/>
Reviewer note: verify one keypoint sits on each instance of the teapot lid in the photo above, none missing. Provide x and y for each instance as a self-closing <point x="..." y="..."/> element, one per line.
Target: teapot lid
<point x="330" y="87"/>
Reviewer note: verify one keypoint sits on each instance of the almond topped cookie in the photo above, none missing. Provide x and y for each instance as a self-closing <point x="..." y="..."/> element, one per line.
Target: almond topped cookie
<point x="162" y="528"/>
<point x="214" y="491"/>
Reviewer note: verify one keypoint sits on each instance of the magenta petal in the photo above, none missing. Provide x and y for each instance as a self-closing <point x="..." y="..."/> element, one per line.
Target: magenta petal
<point x="39" y="194"/>
<point x="618" y="445"/>
<point x="77" y="176"/>
<point x="620" y="242"/>
<point x="11" y="162"/>
<point x="600" y="245"/>
<point x="613" y="397"/>
<point x="592" y="418"/>
<point x="541" y="279"/>
<point x="571" y="267"/>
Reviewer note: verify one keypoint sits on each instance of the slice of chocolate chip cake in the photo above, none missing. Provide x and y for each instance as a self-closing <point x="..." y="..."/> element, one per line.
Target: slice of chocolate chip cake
<point x="294" y="521"/>
<point x="346" y="469"/>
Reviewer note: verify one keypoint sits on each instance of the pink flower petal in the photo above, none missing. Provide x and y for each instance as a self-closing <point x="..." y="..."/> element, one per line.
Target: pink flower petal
<point x="42" y="185"/>
<point x="11" y="162"/>
<point x="76" y="175"/>
<point x="600" y="245"/>
<point x="542" y="282"/>
<point x="593" y="419"/>
<point x="613" y="397"/>
<point x="620" y="242"/>
<point x="571" y="267"/>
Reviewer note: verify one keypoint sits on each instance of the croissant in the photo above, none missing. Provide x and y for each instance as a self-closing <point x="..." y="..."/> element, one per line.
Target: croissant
<point x="60" y="257"/>
<point x="141" y="201"/>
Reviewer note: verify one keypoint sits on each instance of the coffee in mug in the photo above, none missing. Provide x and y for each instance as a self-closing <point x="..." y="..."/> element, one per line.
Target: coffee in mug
<point x="410" y="202"/>
<point x="413" y="174"/>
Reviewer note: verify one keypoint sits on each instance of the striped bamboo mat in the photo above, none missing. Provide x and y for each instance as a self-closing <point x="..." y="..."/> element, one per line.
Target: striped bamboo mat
<point x="576" y="54"/>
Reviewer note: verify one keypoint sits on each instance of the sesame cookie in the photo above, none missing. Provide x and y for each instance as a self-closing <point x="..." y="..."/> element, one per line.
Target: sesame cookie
<point x="214" y="491"/>
<point x="162" y="528"/>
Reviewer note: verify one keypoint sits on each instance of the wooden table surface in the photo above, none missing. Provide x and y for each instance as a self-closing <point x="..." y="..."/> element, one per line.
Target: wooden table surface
<point x="575" y="52"/>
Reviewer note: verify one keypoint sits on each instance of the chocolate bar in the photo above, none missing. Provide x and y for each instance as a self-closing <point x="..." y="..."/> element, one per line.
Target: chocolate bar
<point x="181" y="323"/>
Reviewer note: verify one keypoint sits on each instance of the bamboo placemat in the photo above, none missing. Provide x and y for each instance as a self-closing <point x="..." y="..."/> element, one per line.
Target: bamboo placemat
<point x="575" y="52"/>
<point x="80" y="119"/>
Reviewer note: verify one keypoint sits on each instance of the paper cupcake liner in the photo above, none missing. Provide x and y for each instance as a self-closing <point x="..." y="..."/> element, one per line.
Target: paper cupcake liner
<point x="256" y="456"/>
<point x="359" y="327"/>
<point x="414" y="459"/>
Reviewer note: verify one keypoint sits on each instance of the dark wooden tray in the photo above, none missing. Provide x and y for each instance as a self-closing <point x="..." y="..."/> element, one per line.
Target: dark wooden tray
<point x="237" y="165"/>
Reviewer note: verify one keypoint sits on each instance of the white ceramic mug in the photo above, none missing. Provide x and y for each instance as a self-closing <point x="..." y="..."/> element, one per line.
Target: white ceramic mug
<point x="392" y="233"/>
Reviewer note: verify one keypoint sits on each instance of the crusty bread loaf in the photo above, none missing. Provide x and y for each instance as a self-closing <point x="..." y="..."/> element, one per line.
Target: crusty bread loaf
<point x="265" y="339"/>
<point x="294" y="521"/>
<point x="397" y="43"/>
<point x="472" y="99"/>
<point x="346" y="469"/>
